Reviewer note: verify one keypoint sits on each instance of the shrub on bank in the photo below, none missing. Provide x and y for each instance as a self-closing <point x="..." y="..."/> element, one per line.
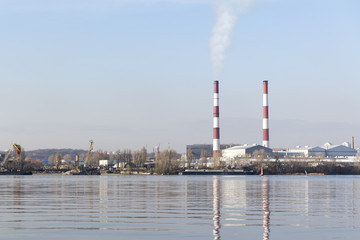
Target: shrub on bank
<point x="301" y="167"/>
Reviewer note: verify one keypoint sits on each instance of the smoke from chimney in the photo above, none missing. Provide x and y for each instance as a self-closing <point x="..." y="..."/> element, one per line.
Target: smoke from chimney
<point x="226" y="12"/>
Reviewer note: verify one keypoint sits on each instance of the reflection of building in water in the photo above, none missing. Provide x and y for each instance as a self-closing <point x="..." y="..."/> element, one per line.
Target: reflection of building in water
<point x="234" y="196"/>
<point x="103" y="192"/>
<point x="266" y="203"/>
<point x="306" y="197"/>
<point x="17" y="190"/>
<point x="216" y="207"/>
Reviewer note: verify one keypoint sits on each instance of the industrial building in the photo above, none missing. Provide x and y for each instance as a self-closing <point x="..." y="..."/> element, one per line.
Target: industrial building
<point x="196" y="149"/>
<point x="305" y="151"/>
<point x="343" y="150"/>
<point x="328" y="150"/>
<point x="246" y="150"/>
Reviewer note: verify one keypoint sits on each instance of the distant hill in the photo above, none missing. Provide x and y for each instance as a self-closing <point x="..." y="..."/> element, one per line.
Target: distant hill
<point x="43" y="154"/>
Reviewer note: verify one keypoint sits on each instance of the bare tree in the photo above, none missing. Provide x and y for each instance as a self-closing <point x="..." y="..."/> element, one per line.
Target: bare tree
<point x="143" y="156"/>
<point x="51" y="160"/>
<point x="136" y="158"/>
<point x="203" y="158"/>
<point x="67" y="157"/>
<point x="167" y="162"/>
<point x="58" y="158"/>
<point x="189" y="157"/>
<point x="218" y="164"/>
<point x="31" y="164"/>
<point x="259" y="163"/>
<point x="105" y="155"/>
<point x="82" y="156"/>
<point x="118" y="157"/>
<point x="127" y="156"/>
<point x="112" y="158"/>
<point x="139" y="157"/>
<point x="95" y="157"/>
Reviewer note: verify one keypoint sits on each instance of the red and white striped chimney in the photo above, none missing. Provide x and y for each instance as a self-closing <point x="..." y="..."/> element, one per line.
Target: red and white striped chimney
<point x="216" y="138"/>
<point x="265" y="115"/>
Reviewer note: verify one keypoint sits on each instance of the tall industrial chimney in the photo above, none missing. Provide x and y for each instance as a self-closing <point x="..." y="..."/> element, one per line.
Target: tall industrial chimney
<point x="216" y="138"/>
<point x="265" y="115"/>
<point x="352" y="143"/>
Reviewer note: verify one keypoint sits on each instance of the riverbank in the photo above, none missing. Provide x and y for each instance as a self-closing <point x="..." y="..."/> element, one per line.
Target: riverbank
<point x="254" y="168"/>
<point x="306" y="168"/>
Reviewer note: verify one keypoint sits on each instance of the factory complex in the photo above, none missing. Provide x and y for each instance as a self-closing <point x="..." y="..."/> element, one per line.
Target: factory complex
<point x="230" y="152"/>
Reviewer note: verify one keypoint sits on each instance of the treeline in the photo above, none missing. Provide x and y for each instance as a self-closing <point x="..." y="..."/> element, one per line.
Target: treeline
<point x="44" y="154"/>
<point x="165" y="162"/>
<point x="305" y="167"/>
<point x="295" y="165"/>
<point x="137" y="157"/>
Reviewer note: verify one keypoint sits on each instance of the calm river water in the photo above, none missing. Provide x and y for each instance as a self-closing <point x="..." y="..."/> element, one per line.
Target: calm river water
<point x="179" y="207"/>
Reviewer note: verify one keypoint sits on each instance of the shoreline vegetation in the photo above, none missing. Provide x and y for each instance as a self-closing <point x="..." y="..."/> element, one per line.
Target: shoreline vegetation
<point x="169" y="162"/>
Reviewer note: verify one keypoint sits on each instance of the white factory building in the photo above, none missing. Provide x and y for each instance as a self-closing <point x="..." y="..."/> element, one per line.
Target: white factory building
<point x="328" y="150"/>
<point x="245" y="150"/>
<point x="343" y="150"/>
<point x="307" y="151"/>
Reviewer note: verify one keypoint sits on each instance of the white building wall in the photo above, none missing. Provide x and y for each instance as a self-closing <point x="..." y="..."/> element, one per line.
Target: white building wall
<point x="233" y="153"/>
<point x="308" y="151"/>
<point x="103" y="163"/>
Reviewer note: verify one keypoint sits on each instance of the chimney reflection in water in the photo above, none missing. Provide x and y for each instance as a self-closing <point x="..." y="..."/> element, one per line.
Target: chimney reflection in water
<point x="216" y="207"/>
<point x="265" y="207"/>
<point x="266" y="203"/>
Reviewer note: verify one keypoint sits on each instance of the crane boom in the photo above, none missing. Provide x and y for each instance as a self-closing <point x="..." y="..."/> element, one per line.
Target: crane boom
<point x="88" y="154"/>
<point x="17" y="148"/>
<point x="7" y="155"/>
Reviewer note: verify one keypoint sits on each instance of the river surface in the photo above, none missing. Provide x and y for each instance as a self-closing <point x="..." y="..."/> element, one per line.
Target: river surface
<point x="179" y="207"/>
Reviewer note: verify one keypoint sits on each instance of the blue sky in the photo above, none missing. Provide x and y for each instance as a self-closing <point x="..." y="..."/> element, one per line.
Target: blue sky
<point x="138" y="73"/>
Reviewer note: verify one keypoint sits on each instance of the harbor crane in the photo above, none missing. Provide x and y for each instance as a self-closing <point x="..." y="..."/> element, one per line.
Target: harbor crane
<point x="9" y="152"/>
<point x="85" y="168"/>
<point x="12" y="155"/>
<point x="88" y="154"/>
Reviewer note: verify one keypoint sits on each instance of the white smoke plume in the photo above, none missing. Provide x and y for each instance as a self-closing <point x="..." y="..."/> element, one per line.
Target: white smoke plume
<point x="226" y="12"/>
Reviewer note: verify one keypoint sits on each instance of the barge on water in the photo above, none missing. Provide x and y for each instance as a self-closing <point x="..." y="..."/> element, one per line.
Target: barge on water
<point x="216" y="172"/>
<point x="15" y="173"/>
